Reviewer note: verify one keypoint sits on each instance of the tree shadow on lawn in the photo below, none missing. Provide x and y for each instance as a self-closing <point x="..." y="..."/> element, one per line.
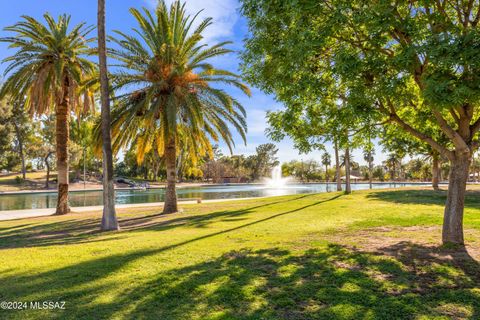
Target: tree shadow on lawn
<point x="401" y="281"/>
<point x="88" y="230"/>
<point x="423" y="197"/>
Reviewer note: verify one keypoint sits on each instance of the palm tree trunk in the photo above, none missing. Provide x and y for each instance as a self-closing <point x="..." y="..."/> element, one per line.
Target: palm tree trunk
<point x="62" y="134"/>
<point x="170" y="205"/>
<point x="337" y="166"/>
<point x="109" y="219"/>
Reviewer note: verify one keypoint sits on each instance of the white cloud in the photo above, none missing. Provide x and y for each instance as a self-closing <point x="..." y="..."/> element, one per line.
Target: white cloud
<point x="223" y="12"/>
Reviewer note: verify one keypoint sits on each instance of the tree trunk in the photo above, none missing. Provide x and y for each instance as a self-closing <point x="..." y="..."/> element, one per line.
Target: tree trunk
<point x="348" y="188"/>
<point x="337" y="166"/>
<point x="435" y="171"/>
<point x="20" y="150"/>
<point x="84" y="168"/>
<point x="170" y="192"/>
<point x="453" y="215"/>
<point x="109" y="219"/>
<point x="47" y="165"/>
<point x="62" y="134"/>
<point x="370" y="170"/>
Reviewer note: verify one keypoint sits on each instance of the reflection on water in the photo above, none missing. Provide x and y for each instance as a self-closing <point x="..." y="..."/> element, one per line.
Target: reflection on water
<point x="93" y="198"/>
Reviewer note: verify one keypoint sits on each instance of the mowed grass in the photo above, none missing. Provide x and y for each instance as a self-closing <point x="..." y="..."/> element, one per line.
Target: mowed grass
<point x="369" y="255"/>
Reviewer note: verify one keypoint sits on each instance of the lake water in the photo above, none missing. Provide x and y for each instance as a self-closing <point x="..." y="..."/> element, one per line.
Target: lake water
<point x="93" y="198"/>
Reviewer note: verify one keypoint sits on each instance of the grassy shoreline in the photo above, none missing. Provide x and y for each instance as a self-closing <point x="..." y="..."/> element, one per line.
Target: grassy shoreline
<point x="369" y="255"/>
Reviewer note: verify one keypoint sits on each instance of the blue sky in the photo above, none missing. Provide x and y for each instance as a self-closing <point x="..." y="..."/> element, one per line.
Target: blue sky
<point x="228" y="24"/>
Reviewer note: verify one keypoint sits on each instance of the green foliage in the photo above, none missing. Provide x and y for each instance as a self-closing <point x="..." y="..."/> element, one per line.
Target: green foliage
<point x="168" y="65"/>
<point x="378" y="173"/>
<point x="263" y="161"/>
<point x="303" y="171"/>
<point x="412" y="63"/>
<point x="49" y="60"/>
<point x="8" y="158"/>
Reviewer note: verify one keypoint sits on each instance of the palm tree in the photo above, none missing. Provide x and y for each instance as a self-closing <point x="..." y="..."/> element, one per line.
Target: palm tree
<point x="172" y="98"/>
<point x="393" y="164"/>
<point x="109" y="218"/>
<point x="326" y="161"/>
<point x="368" y="154"/>
<point x="48" y="69"/>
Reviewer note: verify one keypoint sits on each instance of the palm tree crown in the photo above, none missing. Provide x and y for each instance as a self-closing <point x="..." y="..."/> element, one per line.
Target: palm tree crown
<point x="49" y="63"/>
<point x="171" y="78"/>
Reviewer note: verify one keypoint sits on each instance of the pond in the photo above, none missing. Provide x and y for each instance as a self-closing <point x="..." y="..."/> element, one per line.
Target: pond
<point x="93" y="198"/>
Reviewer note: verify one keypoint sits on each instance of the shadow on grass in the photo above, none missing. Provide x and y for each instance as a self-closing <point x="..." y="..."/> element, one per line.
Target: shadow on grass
<point x="402" y="281"/>
<point x="426" y="197"/>
<point x="87" y="230"/>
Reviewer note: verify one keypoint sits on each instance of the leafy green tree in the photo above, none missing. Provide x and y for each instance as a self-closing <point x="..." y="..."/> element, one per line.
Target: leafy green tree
<point x="48" y="69"/>
<point x="16" y="119"/>
<point x="391" y="57"/>
<point x="9" y="159"/>
<point x="263" y="161"/>
<point x="378" y="173"/>
<point x="82" y="145"/>
<point x="173" y="100"/>
<point x="398" y="141"/>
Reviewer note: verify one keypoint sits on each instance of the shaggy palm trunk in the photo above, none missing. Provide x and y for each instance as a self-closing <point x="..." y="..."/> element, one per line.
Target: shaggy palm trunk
<point x="337" y="167"/>
<point x="62" y="134"/>
<point x="435" y="172"/>
<point x="109" y="218"/>
<point x="170" y="192"/>
<point x="453" y="214"/>
<point x="348" y="188"/>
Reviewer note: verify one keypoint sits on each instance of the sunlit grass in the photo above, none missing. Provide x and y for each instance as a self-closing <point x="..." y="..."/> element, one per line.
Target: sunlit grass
<point x="370" y="255"/>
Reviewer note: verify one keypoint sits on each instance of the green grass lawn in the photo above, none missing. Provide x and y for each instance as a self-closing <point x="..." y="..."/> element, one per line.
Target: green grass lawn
<point x="370" y="255"/>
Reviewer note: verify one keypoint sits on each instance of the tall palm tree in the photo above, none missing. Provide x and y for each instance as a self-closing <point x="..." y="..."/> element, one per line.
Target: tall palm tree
<point x="326" y="161"/>
<point x="168" y="78"/>
<point x="109" y="218"/>
<point x="368" y="154"/>
<point x="393" y="164"/>
<point x="48" y="69"/>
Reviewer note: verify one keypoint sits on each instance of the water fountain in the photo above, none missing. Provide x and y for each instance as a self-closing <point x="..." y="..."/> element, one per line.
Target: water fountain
<point x="276" y="180"/>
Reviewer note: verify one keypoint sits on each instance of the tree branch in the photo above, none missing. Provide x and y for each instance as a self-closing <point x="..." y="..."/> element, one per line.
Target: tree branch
<point x="455" y="116"/>
<point x="420" y="135"/>
<point x="475" y="127"/>
<point x="452" y="134"/>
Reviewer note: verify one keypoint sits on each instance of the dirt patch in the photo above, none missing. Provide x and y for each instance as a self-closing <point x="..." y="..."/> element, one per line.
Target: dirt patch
<point x="422" y="242"/>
